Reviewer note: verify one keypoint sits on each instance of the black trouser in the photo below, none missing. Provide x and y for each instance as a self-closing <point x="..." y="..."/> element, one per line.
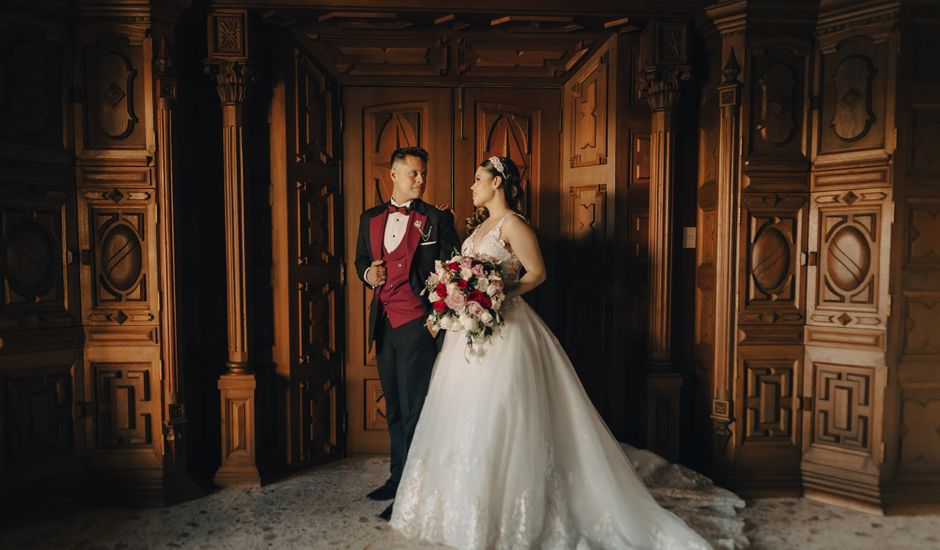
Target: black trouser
<point x="406" y="356"/>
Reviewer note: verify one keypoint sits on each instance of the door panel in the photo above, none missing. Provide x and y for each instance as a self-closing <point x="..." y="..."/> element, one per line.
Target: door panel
<point x="524" y="126"/>
<point x="308" y="210"/>
<point x="378" y="121"/>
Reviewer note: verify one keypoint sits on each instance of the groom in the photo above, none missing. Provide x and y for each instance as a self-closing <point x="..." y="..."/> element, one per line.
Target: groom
<point x="395" y="252"/>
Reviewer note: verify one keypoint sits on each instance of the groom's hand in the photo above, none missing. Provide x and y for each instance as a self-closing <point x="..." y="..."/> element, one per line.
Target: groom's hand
<point x="375" y="275"/>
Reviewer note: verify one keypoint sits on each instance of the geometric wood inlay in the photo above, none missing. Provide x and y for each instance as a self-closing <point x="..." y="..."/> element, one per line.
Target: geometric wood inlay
<point x="317" y="309"/>
<point x="924" y="234"/>
<point x="125" y="404"/>
<point x="769" y="409"/>
<point x="374" y="403"/>
<point x="39" y="415"/>
<point x="589" y="117"/>
<point x="843" y="412"/>
<point x="316" y="206"/>
<point x="923" y="318"/>
<point x="920" y="433"/>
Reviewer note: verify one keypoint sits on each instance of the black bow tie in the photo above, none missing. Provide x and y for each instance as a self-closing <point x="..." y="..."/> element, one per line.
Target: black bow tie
<point x="400" y="209"/>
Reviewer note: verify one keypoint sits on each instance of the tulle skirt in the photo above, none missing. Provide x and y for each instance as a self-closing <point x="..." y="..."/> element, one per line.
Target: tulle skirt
<point x="509" y="452"/>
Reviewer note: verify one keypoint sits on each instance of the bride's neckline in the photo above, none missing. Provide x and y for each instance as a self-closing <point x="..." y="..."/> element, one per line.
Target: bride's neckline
<point x="473" y="238"/>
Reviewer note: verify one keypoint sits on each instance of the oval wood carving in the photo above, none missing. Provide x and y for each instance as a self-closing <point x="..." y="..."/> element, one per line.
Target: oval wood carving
<point x="116" y="117"/>
<point x="849" y="258"/>
<point x="770" y="260"/>
<point x="30" y="257"/>
<point x="123" y="259"/>
<point x="852" y="116"/>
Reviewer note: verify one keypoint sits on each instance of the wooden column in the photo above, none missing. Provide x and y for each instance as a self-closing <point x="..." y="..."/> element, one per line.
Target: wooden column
<point x="174" y="413"/>
<point x="228" y="64"/>
<point x="726" y="250"/>
<point x="664" y="67"/>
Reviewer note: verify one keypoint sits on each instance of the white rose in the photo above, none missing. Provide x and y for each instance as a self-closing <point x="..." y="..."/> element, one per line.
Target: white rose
<point x="467" y="322"/>
<point x="486" y="317"/>
<point x="466" y="273"/>
<point x="433" y="297"/>
<point x="491" y="290"/>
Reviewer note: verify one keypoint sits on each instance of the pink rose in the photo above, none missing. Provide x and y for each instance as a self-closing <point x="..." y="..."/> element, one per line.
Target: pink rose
<point x="455" y="300"/>
<point x="466" y="263"/>
<point x="475" y="309"/>
<point x="477" y="270"/>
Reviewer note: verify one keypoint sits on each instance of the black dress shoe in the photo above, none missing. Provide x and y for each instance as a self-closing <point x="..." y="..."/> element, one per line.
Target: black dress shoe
<point x="387" y="513"/>
<point x="385" y="492"/>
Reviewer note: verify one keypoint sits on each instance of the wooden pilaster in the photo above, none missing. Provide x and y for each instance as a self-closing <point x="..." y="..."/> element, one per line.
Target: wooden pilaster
<point x="228" y="64"/>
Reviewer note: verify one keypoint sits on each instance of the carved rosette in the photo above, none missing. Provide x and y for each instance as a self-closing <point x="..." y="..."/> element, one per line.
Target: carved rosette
<point x="232" y="79"/>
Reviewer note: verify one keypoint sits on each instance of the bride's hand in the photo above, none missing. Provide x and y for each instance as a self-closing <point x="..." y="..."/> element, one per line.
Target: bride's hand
<point x="431" y="328"/>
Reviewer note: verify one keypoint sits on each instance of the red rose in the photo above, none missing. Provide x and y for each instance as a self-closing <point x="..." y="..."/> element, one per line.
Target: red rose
<point x="454" y="266"/>
<point x="439" y="307"/>
<point x="441" y="290"/>
<point x="485" y="301"/>
<point x="474" y="295"/>
<point x="462" y="284"/>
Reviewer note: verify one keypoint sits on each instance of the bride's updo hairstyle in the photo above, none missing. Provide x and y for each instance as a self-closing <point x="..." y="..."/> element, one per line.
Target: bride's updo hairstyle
<point x="506" y="169"/>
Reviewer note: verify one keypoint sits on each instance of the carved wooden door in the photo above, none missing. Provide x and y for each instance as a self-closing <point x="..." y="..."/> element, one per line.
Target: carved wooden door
<point x="378" y="121"/>
<point x="848" y="301"/>
<point x="524" y="126"/>
<point x="309" y="260"/>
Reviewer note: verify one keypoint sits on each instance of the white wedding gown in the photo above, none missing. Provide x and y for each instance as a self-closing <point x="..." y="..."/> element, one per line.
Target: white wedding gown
<point x="509" y="452"/>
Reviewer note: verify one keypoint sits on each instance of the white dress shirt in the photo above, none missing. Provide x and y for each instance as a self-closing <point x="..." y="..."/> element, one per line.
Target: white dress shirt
<point x="395" y="228"/>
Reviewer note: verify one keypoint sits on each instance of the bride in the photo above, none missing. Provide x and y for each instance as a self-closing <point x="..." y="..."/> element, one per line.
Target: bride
<point x="509" y="452"/>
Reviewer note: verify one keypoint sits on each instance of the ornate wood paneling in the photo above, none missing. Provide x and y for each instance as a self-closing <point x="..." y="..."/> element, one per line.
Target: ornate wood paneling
<point x="380" y="120"/>
<point x="769" y="382"/>
<point x="118" y="255"/>
<point x="127" y="405"/>
<point x="843" y="399"/>
<point x="38" y="411"/>
<point x="534" y="57"/>
<point x="588" y="112"/>
<point x="315" y="106"/>
<point x="920" y="427"/>
<point x="855" y="87"/>
<point x="921" y="310"/>
<point x="320" y="420"/>
<point x="316" y="322"/>
<point x="777" y="128"/>
<point x="116" y="99"/>
<point x="307" y="208"/>
<point x="513" y="131"/>
<point x="31" y="101"/>
<point x="38" y="258"/>
<point x="843" y="414"/>
<point x="385" y="55"/>
<point x="640" y="159"/>
<point x="375" y="418"/>
<point x="849" y="240"/>
<point x="773" y="246"/>
<point x="923" y="218"/>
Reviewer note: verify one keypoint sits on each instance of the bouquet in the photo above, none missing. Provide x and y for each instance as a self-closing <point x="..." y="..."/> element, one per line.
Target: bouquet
<point x="466" y="294"/>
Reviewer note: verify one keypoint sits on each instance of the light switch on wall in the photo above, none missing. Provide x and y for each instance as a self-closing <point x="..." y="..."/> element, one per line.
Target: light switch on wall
<point x="688" y="237"/>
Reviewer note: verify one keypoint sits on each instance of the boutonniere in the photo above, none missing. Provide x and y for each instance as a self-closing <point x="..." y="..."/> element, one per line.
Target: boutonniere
<point x="424" y="236"/>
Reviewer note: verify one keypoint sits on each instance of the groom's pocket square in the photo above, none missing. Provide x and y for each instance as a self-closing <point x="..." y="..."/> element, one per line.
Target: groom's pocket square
<point x="427" y="243"/>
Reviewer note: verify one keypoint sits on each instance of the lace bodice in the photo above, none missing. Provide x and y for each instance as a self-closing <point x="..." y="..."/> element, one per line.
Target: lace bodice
<point x="492" y="246"/>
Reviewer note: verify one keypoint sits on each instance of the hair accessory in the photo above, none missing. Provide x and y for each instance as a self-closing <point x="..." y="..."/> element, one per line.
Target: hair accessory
<point x="498" y="164"/>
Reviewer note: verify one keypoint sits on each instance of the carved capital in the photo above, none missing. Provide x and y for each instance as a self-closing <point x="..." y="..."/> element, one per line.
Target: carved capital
<point x="232" y="79"/>
<point x="664" y="62"/>
<point x="661" y="85"/>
